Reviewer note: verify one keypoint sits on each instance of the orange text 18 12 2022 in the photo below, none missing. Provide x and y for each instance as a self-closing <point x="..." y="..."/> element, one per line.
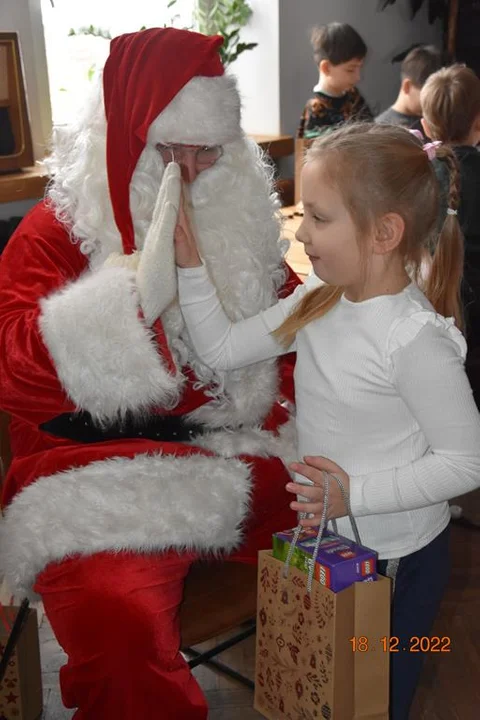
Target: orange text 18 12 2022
<point x="394" y="644"/>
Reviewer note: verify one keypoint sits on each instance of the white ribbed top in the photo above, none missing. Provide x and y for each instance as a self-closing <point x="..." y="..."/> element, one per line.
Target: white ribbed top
<point x="380" y="389"/>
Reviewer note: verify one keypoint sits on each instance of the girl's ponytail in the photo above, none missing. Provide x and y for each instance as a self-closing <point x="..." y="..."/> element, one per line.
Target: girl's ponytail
<point x="442" y="286"/>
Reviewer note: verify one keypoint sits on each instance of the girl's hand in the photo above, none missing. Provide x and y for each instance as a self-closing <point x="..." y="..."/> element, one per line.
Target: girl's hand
<point x="313" y="469"/>
<point x="186" y="250"/>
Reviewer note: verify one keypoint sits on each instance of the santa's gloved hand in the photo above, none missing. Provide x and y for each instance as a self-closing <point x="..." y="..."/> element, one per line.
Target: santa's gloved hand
<point x="157" y="275"/>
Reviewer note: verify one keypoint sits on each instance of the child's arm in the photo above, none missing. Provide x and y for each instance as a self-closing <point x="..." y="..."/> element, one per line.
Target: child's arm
<point x="429" y="375"/>
<point x="220" y="343"/>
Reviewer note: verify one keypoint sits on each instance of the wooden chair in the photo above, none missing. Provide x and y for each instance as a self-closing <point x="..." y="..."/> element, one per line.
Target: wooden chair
<point x="218" y="597"/>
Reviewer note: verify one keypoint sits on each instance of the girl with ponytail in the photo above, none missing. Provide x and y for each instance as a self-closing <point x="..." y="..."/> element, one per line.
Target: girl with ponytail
<point x="451" y="114"/>
<point x="382" y="397"/>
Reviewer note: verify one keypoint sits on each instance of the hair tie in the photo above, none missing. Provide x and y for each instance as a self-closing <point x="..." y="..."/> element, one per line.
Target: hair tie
<point x="431" y="149"/>
<point x="451" y="211"/>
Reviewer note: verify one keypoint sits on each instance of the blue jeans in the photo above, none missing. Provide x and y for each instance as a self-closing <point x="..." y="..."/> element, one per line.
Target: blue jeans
<point x="419" y="586"/>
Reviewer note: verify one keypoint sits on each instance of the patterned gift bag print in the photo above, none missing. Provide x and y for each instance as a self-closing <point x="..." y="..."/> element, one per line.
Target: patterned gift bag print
<point x="297" y="666"/>
<point x="10" y="698"/>
<point x="21" y="687"/>
<point x="305" y="666"/>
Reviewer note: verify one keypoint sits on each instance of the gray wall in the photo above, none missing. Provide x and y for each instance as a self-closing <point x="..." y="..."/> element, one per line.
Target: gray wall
<point x="385" y="33"/>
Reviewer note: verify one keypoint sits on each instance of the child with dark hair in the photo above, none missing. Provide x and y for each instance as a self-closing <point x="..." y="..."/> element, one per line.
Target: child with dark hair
<point x="339" y="53"/>
<point x="417" y="66"/>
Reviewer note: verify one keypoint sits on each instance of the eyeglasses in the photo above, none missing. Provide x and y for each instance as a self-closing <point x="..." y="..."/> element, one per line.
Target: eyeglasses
<point x="206" y="155"/>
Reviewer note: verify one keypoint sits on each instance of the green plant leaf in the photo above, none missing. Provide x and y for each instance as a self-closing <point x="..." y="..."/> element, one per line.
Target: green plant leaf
<point x="226" y="18"/>
<point x="241" y="47"/>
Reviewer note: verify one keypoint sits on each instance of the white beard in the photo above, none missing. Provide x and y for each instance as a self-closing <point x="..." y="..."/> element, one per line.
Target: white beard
<point x="238" y="230"/>
<point x="239" y="240"/>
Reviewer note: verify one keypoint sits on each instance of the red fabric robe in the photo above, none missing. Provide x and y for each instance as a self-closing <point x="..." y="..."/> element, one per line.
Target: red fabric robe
<point x="127" y="479"/>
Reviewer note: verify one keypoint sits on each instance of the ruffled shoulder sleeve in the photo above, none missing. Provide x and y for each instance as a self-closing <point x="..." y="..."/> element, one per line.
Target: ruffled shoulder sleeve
<point x="405" y="329"/>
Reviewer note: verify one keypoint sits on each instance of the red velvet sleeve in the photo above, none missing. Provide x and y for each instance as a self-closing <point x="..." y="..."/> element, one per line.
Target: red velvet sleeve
<point x="38" y="260"/>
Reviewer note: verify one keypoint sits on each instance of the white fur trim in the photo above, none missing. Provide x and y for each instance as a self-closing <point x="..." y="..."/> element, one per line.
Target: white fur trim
<point x="206" y="111"/>
<point x="145" y="504"/>
<point x="105" y="357"/>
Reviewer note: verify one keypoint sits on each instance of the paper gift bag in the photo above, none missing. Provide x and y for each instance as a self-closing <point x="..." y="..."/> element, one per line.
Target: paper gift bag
<point x="21" y="696"/>
<point x="320" y="654"/>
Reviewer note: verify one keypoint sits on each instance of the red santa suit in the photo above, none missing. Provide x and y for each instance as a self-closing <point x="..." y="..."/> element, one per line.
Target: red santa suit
<point x="131" y="458"/>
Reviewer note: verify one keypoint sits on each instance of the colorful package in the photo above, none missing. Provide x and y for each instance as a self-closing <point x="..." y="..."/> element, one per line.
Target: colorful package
<point x="340" y="562"/>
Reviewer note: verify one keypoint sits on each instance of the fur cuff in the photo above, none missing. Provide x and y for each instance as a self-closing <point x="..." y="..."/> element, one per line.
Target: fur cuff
<point x="145" y="504"/>
<point x="106" y="359"/>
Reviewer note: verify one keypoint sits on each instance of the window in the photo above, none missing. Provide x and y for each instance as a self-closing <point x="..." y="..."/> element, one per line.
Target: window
<point x="73" y="59"/>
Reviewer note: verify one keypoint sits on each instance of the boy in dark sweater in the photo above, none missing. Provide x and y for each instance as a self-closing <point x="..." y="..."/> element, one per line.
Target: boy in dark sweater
<point x="339" y="53"/>
<point x="416" y="68"/>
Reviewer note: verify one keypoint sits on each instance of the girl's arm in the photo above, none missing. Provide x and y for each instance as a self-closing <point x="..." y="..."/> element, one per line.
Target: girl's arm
<point x="224" y="345"/>
<point x="429" y="374"/>
<point x="219" y="343"/>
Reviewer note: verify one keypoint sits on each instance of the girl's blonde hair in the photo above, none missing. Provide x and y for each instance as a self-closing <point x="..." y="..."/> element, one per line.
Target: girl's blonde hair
<point x="379" y="169"/>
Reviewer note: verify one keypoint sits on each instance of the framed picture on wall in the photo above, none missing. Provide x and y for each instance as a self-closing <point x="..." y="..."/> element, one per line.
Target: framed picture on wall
<point x="16" y="150"/>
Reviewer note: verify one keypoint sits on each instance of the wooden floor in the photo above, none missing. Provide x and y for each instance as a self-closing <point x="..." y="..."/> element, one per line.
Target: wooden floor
<point x="450" y="688"/>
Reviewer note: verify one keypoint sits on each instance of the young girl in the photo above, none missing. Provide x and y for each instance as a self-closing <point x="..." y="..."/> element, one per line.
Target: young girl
<point x="381" y="393"/>
<point x="451" y="113"/>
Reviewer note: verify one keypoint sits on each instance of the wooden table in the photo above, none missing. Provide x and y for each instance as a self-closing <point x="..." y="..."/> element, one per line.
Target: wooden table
<point x="276" y="146"/>
<point x="26" y="184"/>
<point x="296" y="256"/>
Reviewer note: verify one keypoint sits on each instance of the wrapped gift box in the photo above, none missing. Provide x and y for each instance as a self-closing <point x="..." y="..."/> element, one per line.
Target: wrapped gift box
<point x="340" y="562"/>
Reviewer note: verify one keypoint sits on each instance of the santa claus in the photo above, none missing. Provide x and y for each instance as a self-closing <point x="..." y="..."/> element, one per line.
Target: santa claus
<point x="131" y="458"/>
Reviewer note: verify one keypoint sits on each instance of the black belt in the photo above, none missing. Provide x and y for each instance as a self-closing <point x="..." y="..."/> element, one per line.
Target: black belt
<point x="163" y="428"/>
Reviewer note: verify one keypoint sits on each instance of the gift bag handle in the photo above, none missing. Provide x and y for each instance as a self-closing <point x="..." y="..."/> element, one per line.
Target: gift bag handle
<point x="322" y="527"/>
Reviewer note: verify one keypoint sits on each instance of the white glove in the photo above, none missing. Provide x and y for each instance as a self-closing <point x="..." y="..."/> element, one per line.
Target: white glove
<point x="157" y="273"/>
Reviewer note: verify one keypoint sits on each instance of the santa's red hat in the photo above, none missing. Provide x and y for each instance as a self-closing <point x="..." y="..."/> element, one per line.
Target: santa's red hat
<point x="145" y="80"/>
